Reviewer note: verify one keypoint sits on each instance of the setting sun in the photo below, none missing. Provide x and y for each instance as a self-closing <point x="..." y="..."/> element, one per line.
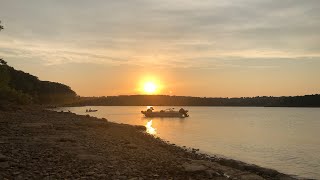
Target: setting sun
<point x="150" y="87"/>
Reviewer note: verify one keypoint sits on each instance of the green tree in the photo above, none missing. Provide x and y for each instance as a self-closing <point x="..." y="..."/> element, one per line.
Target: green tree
<point x="1" y="27"/>
<point x="3" y="62"/>
<point x="4" y="76"/>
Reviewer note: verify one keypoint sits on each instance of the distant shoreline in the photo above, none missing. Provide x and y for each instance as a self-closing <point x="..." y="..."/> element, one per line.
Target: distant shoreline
<point x="165" y="100"/>
<point x="187" y="106"/>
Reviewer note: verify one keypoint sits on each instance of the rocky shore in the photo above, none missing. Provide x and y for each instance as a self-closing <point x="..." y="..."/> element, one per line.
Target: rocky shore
<point x="42" y="144"/>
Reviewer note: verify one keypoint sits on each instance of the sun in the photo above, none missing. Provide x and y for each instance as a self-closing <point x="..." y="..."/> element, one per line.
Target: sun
<point x="150" y="87"/>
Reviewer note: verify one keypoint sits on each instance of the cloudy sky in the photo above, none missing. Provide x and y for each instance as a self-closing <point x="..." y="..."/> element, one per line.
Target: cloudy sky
<point x="199" y="48"/>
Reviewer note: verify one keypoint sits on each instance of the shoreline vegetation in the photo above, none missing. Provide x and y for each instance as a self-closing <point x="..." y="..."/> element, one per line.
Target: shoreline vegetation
<point x="18" y="87"/>
<point x="38" y="143"/>
<point x="166" y="100"/>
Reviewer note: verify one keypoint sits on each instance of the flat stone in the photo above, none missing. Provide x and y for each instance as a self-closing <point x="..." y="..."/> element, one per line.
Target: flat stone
<point x="3" y="158"/>
<point x="132" y="146"/>
<point x="122" y="177"/>
<point x="89" y="157"/>
<point x="65" y="139"/>
<point x="4" y="165"/>
<point x="16" y="173"/>
<point x="251" y="177"/>
<point x="37" y="125"/>
<point x="194" y="167"/>
<point x="90" y="173"/>
<point x="211" y="173"/>
<point x="101" y="175"/>
<point x="19" y="177"/>
<point x="134" y="178"/>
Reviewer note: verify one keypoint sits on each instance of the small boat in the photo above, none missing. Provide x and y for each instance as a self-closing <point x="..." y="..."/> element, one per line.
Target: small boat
<point x="166" y="113"/>
<point x="91" y="110"/>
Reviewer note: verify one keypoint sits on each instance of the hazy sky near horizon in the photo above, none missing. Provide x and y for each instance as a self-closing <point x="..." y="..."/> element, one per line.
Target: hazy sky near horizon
<point x="198" y="48"/>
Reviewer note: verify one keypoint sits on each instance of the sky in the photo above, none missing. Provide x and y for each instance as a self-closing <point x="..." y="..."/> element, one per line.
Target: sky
<point x="207" y="48"/>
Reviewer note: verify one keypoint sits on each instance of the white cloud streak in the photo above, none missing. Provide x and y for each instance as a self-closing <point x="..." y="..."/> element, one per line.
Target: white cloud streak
<point x="176" y="33"/>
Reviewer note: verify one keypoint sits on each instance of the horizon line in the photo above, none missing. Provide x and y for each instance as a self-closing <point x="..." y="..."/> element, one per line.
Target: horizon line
<point x="196" y="96"/>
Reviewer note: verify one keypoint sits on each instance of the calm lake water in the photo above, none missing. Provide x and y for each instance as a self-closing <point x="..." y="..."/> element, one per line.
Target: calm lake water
<point x="285" y="139"/>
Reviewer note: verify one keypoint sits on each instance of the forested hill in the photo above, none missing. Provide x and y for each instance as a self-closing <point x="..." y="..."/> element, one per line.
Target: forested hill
<point x="18" y="87"/>
<point x="164" y="100"/>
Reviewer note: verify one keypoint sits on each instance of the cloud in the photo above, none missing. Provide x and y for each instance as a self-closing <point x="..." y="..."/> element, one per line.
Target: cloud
<point x="168" y="33"/>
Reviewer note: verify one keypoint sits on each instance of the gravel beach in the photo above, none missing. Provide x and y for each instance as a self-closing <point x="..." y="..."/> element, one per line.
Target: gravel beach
<point x="42" y="144"/>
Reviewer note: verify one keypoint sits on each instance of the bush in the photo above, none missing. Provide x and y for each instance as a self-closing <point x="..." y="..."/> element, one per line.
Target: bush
<point x="10" y="95"/>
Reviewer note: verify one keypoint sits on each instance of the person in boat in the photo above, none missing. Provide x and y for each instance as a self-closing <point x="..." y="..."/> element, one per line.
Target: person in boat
<point x="182" y="111"/>
<point x="89" y="110"/>
<point x="150" y="109"/>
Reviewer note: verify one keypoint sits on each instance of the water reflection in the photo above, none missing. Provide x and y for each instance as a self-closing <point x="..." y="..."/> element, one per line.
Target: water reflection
<point x="150" y="129"/>
<point x="270" y="137"/>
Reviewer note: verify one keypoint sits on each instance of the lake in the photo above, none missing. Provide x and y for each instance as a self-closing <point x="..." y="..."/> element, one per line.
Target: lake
<point x="285" y="139"/>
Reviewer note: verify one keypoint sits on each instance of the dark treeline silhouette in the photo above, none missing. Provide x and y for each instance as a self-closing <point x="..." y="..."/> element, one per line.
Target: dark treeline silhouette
<point x="1" y="27"/>
<point x="18" y="87"/>
<point x="23" y="88"/>
<point x="165" y="100"/>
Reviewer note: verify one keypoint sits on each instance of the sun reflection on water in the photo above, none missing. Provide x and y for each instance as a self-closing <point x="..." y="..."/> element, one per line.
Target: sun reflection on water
<point x="150" y="129"/>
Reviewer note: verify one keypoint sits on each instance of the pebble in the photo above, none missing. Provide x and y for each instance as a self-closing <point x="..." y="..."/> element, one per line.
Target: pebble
<point x="3" y="158"/>
<point x="90" y="173"/>
<point x="131" y="146"/>
<point x="122" y="177"/>
<point x="16" y="173"/>
<point x="194" y="167"/>
<point x="101" y="175"/>
<point x="4" y="165"/>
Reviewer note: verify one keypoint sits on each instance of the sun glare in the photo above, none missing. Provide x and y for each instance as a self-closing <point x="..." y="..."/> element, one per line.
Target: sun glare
<point x="150" y="87"/>
<point x="150" y="129"/>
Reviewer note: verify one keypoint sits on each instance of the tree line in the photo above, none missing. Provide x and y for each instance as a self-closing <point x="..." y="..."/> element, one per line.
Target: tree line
<point x="166" y="100"/>
<point x="18" y="87"/>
